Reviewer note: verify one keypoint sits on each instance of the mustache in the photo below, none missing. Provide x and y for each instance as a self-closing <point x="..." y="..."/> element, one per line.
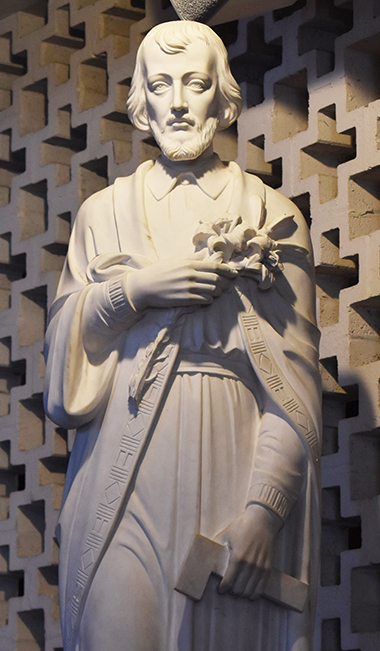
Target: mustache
<point x="187" y="120"/>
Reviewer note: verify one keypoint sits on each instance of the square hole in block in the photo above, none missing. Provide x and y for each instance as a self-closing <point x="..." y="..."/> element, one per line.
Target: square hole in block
<point x="32" y="209"/>
<point x="334" y="403"/>
<point x="331" y="635"/>
<point x="365" y="599"/>
<point x="32" y="17"/>
<point x="58" y="48"/>
<point x="364" y="331"/>
<point x="48" y="584"/>
<point x="92" y="87"/>
<point x="268" y="171"/>
<point x="93" y="176"/>
<point x="149" y="150"/>
<point x="12" y="66"/>
<point x="60" y="443"/>
<point x="30" y="529"/>
<point x="11" y="584"/>
<point x="365" y="465"/>
<point x="60" y="148"/>
<point x="12" y="374"/>
<point x="364" y="202"/>
<point x="320" y="32"/>
<point x="32" y="316"/>
<point x="291" y="106"/>
<point x="331" y="149"/>
<point x="52" y="471"/>
<point x="338" y="535"/>
<point x="31" y="422"/>
<point x="33" y="107"/>
<point x="12" y="479"/>
<point x="53" y="257"/>
<point x="302" y="202"/>
<point x="30" y="630"/>
<point x="250" y="68"/>
<point x="362" y="79"/>
<point x="117" y="22"/>
<point x="11" y="164"/>
<point x="63" y="228"/>
<point x="117" y="127"/>
<point x="226" y="144"/>
<point x="333" y="275"/>
<point x="12" y="267"/>
<point x="121" y="95"/>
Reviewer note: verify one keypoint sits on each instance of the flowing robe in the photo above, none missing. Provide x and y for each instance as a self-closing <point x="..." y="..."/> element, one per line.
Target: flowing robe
<point x="118" y="448"/>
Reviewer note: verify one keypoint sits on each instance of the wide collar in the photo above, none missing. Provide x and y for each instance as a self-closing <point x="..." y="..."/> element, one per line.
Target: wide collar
<point x="248" y="200"/>
<point x="211" y="177"/>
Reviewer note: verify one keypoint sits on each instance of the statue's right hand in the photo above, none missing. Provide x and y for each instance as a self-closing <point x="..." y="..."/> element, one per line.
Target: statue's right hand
<point x="178" y="282"/>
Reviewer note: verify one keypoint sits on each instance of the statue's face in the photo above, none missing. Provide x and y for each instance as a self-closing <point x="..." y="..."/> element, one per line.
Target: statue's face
<point x="182" y="99"/>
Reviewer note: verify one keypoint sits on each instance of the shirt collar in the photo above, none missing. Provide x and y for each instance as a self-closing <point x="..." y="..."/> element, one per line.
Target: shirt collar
<point x="211" y="177"/>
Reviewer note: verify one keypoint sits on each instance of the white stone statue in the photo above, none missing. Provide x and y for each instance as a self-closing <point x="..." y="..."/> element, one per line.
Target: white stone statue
<point x="182" y="346"/>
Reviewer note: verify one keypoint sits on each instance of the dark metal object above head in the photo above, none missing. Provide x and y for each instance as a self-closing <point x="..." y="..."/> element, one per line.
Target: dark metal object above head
<point x="215" y="12"/>
<point x="200" y="10"/>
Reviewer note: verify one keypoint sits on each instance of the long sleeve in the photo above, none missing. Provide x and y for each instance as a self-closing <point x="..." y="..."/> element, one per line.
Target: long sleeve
<point x="280" y="465"/>
<point x="86" y="322"/>
<point x="107" y="311"/>
<point x="282" y="342"/>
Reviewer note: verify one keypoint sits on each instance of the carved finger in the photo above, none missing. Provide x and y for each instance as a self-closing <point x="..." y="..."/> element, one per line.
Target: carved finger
<point x="255" y="586"/>
<point x="204" y="289"/>
<point x="219" y="268"/>
<point x="226" y="271"/>
<point x="240" y="584"/>
<point x="230" y="576"/>
<point x="207" y="278"/>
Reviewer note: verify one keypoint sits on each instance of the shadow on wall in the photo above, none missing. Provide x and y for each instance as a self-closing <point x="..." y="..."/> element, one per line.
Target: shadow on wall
<point x="350" y="555"/>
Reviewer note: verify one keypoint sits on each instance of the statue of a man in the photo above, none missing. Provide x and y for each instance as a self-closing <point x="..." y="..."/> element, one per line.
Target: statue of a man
<point x="182" y="345"/>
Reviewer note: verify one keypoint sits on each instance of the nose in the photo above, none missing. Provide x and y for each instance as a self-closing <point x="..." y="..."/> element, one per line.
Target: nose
<point x="179" y="102"/>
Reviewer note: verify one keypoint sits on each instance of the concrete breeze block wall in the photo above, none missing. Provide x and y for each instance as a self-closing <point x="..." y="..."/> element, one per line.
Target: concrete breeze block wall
<point x="310" y="127"/>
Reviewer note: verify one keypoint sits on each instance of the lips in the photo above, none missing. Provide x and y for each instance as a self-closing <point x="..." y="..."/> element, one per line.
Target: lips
<point x="180" y="122"/>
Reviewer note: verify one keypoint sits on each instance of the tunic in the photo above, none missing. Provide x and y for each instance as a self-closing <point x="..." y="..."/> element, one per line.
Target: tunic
<point x="217" y="443"/>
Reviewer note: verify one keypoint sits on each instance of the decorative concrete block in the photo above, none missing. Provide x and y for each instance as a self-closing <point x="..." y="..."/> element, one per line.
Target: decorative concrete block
<point x="310" y="127"/>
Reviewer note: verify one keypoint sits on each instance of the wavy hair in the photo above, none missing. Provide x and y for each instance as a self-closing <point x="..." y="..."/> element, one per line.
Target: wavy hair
<point x="174" y="37"/>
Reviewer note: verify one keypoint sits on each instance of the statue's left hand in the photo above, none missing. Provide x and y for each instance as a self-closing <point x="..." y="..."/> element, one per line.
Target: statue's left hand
<point x="250" y="539"/>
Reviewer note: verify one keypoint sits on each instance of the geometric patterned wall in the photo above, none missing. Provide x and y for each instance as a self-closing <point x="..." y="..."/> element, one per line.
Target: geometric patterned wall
<point x="310" y="127"/>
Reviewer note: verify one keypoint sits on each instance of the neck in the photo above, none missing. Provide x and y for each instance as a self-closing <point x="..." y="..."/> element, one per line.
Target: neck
<point x="187" y="165"/>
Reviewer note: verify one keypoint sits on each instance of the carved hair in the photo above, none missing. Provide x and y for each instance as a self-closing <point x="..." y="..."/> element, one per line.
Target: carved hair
<point x="174" y="37"/>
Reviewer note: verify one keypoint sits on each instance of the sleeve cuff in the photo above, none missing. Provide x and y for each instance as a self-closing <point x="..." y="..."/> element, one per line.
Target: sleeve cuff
<point x="122" y="305"/>
<point x="272" y="498"/>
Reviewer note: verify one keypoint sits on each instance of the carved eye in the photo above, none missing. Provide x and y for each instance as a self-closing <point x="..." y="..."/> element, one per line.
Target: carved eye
<point x="197" y="85"/>
<point x="159" y="87"/>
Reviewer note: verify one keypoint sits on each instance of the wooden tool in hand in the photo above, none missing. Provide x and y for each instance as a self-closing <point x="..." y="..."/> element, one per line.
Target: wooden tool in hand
<point x="207" y="557"/>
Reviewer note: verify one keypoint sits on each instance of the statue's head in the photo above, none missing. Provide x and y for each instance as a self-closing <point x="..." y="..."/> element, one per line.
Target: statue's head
<point x="182" y="89"/>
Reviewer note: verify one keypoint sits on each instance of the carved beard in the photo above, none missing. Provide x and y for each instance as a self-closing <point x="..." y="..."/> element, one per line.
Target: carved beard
<point x="186" y="150"/>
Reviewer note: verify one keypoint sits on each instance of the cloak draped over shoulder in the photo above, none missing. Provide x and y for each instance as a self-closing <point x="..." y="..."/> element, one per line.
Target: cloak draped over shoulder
<point x="88" y="387"/>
